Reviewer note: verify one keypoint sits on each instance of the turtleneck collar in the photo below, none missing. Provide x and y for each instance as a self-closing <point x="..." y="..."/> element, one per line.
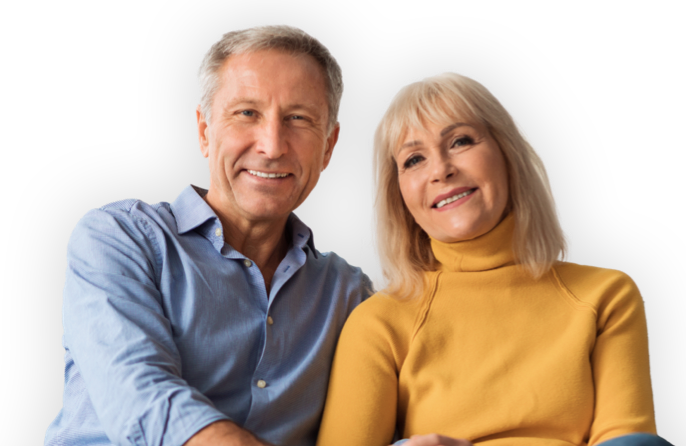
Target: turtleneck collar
<point x="489" y="251"/>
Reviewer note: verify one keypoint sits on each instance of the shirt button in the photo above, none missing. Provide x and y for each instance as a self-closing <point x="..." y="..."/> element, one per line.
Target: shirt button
<point x="247" y="263"/>
<point x="218" y="232"/>
<point x="261" y="384"/>
<point x="270" y="321"/>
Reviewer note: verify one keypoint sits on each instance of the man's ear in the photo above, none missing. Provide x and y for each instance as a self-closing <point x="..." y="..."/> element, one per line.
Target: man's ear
<point x="331" y="141"/>
<point x="203" y="128"/>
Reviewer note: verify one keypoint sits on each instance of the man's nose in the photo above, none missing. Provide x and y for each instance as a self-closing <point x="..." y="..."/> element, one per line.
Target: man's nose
<point x="271" y="141"/>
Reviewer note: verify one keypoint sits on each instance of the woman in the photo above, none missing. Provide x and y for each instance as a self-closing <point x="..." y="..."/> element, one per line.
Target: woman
<point x="482" y="335"/>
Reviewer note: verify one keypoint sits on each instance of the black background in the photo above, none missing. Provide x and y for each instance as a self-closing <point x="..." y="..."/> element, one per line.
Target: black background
<point x="593" y="97"/>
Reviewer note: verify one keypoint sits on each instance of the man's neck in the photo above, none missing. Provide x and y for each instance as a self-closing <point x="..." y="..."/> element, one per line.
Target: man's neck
<point x="264" y="244"/>
<point x="264" y="241"/>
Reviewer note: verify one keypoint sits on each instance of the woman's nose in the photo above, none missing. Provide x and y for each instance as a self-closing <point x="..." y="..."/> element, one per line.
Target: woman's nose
<point x="442" y="168"/>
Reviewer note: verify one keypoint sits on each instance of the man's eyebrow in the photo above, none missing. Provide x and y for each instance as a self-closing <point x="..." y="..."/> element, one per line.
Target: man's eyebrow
<point x="241" y="100"/>
<point x="310" y="108"/>
<point x="444" y="132"/>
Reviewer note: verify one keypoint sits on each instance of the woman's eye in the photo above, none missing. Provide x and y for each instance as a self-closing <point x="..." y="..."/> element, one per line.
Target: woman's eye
<point x="463" y="141"/>
<point x="411" y="161"/>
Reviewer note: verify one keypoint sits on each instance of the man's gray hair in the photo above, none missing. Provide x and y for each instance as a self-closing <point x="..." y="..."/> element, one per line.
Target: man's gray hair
<point x="283" y="38"/>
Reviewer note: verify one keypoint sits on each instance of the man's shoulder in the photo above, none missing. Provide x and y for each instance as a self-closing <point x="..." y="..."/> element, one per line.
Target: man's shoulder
<point x="126" y="213"/>
<point x="129" y="224"/>
<point x="134" y="208"/>
<point x="326" y="263"/>
<point x="337" y="283"/>
<point x="338" y="264"/>
<point x="127" y="205"/>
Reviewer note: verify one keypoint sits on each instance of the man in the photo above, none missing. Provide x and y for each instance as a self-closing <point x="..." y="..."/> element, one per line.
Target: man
<point x="213" y="319"/>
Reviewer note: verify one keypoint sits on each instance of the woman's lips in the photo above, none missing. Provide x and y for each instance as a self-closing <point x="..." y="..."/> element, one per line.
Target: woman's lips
<point x="453" y="196"/>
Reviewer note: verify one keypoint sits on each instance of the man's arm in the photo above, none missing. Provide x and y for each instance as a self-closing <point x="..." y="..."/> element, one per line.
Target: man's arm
<point x="120" y="338"/>
<point x="224" y="433"/>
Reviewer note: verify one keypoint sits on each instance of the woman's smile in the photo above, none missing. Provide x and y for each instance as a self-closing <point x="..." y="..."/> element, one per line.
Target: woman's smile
<point x="441" y="202"/>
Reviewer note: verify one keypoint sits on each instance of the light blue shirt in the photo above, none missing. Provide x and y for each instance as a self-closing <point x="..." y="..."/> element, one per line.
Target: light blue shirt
<point x="168" y="329"/>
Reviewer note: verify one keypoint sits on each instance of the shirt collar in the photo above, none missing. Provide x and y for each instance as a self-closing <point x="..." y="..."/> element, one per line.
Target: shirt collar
<point x="191" y="211"/>
<point x="301" y="234"/>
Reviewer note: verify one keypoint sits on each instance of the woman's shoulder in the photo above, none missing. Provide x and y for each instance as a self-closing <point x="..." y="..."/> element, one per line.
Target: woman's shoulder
<point x="386" y="315"/>
<point x="575" y="271"/>
<point x="596" y="286"/>
<point x="387" y="309"/>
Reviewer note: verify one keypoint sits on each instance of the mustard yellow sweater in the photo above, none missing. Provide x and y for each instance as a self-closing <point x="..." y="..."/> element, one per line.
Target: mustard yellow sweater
<point x="493" y="356"/>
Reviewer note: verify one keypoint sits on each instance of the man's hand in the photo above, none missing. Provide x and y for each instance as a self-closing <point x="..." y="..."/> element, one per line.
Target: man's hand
<point x="435" y="440"/>
<point x="224" y="433"/>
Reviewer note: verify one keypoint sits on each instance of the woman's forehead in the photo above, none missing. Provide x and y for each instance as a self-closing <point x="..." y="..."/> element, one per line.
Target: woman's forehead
<point x="439" y="115"/>
<point x="439" y="127"/>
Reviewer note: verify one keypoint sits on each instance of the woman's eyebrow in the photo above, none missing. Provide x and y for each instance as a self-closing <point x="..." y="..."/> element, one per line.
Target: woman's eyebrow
<point x="413" y="143"/>
<point x="444" y="132"/>
<point x="452" y="127"/>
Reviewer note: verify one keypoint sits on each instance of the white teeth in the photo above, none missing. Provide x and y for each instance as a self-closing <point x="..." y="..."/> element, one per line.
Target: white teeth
<point x="449" y="200"/>
<point x="267" y="175"/>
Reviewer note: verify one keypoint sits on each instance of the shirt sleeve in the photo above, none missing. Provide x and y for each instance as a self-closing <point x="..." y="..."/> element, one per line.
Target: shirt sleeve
<point x="116" y="330"/>
<point x="361" y="404"/>
<point x="621" y="369"/>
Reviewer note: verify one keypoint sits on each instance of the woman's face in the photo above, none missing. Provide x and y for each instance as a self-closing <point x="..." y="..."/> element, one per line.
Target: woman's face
<point x="453" y="179"/>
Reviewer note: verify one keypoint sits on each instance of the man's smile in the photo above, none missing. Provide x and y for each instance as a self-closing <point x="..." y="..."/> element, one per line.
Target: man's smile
<point x="257" y="173"/>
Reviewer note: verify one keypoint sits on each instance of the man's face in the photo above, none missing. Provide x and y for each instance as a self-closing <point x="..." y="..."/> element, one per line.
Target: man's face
<point x="267" y="141"/>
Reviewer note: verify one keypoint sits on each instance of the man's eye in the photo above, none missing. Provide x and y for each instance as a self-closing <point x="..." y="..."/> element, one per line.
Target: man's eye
<point x="249" y="113"/>
<point x="297" y="117"/>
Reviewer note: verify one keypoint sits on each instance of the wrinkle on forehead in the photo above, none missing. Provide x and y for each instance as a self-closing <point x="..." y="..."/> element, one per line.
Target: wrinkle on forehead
<point x="244" y="75"/>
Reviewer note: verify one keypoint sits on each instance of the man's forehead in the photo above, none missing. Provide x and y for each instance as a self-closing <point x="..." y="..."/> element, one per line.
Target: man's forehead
<point x="259" y="65"/>
<point x="252" y="77"/>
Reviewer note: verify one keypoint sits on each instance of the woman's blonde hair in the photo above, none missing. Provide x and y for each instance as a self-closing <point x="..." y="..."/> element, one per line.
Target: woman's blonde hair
<point x="404" y="247"/>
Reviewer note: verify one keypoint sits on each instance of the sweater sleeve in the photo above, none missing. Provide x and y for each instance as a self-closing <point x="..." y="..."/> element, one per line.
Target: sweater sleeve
<point x="361" y="405"/>
<point x="621" y="368"/>
<point x="620" y="363"/>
